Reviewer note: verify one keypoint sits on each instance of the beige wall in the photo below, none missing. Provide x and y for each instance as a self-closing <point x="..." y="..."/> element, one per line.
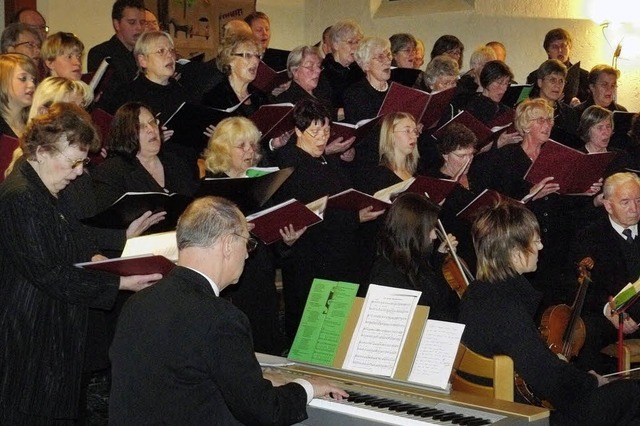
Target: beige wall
<point x="520" y="24"/>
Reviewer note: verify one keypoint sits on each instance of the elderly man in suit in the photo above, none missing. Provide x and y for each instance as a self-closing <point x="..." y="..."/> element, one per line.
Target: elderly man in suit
<point x="182" y="355"/>
<point x="613" y="244"/>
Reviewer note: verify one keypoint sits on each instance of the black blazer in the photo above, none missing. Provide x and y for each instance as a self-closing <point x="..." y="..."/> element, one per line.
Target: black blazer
<point x="183" y="356"/>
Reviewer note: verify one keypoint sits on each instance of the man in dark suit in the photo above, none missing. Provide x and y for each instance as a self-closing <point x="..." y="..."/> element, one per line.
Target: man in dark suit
<point x="128" y="22"/>
<point x="182" y="355"/>
<point x="616" y="259"/>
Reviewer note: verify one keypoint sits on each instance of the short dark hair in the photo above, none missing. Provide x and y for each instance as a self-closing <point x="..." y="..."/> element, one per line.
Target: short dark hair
<point x="256" y="15"/>
<point x="551" y="66"/>
<point x="446" y="43"/>
<point x="404" y="239"/>
<point x="590" y="117"/>
<point x="494" y="70"/>
<point x="119" y="6"/>
<point x="61" y="119"/>
<point x="124" y="133"/>
<point x="308" y="111"/>
<point x="555" y="35"/>
<point x="598" y="70"/>
<point x="455" y="135"/>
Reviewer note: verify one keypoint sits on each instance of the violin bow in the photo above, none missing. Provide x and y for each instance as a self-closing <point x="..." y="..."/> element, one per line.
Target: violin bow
<point x="442" y="234"/>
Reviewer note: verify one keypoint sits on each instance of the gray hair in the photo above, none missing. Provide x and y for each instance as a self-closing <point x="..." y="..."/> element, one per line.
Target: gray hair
<point x="206" y="220"/>
<point x="296" y="56"/>
<point x="366" y="47"/>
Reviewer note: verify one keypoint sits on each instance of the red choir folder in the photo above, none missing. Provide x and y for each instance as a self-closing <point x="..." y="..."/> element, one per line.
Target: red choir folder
<point x="427" y="108"/>
<point x="102" y="120"/>
<point x="273" y="120"/>
<point x="134" y="265"/>
<point x="573" y="170"/>
<point x="354" y="200"/>
<point x="488" y="197"/>
<point x="268" y="222"/>
<point x="8" y="144"/>
<point x="436" y="189"/>
<point x="359" y="130"/>
<point x="484" y="133"/>
<point x="268" y="79"/>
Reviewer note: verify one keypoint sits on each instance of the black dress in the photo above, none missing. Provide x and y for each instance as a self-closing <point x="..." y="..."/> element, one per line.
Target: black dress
<point x="362" y="101"/>
<point x="122" y="64"/>
<point x="339" y="78"/>
<point x="436" y="293"/>
<point x="326" y="250"/>
<point x="255" y="294"/>
<point x="485" y="109"/>
<point x="222" y="96"/>
<point x="499" y="319"/>
<point x="44" y="302"/>
<point x="295" y="93"/>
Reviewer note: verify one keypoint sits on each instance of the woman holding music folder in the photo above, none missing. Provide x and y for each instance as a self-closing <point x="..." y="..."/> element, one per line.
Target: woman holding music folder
<point x="328" y="249"/>
<point x="398" y="159"/>
<point x="239" y="56"/>
<point x="406" y="257"/>
<point x="595" y="129"/>
<point x="45" y="299"/>
<point x="137" y="162"/>
<point x="233" y="148"/>
<point x="498" y="310"/>
<point x="504" y="170"/>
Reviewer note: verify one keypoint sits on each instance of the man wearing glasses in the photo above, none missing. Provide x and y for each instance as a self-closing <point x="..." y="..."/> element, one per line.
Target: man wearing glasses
<point x="128" y="17"/>
<point x="183" y="355"/>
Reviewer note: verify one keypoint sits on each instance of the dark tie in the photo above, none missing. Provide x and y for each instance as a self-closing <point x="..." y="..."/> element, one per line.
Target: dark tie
<point x="627" y="234"/>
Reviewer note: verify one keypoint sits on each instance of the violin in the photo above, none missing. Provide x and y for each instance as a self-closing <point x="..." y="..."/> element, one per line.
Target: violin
<point x="454" y="269"/>
<point x="562" y="329"/>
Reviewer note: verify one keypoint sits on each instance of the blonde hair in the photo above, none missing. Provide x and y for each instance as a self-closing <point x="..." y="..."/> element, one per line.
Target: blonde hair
<point x="60" y="43"/>
<point x="528" y="110"/>
<point x="9" y="63"/>
<point x="58" y="89"/>
<point x="387" y="143"/>
<point x="217" y="155"/>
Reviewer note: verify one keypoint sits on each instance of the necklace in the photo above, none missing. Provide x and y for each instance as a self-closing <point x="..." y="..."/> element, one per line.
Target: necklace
<point x="382" y="87"/>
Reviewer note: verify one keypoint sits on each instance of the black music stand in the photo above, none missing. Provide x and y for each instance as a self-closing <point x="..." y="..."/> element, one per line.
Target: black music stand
<point x="621" y="312"/>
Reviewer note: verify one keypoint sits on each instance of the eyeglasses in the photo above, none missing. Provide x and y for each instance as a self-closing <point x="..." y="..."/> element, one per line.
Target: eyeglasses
<point x="163" y="51"/>
<point x="415" y="131"/>
<point x="462" y="155"/>
<point x="554" y="80"/>
<point x="245" y="147"/>
<point x="318" y="68"/>
<point x="252" y="243"/>
<point x="153" y="123"/>
<point x="319" y="133"/>
<point x="383" y="57"/>
<point x="408" y="51"/>
<point x="454" y="52"/>
<point x="31" y="44"/>
<point x="248" y="55"/>
<point x="77" y="162"/>
<point x="543" y="120"/>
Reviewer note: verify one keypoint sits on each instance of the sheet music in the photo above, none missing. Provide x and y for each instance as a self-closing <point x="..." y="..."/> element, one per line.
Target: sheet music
<point x="436" y="353"/>
<point x="162" y="244"/>
<point x="381" y="330"/>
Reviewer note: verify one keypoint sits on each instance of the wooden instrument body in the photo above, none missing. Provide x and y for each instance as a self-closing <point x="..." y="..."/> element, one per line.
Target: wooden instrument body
<point x="554" y="326"/>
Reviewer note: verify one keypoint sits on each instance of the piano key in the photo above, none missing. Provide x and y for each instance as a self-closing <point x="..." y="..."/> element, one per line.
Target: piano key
<point x="431" y="413"/>
<point x="452" y="417"/>
<point x="400" y="407"/>
<point x="416" y="411"/>
<point x="479" y="422"/>
<point x="463" y="421"/>
<point x="377" y="401"/>
<point x="444" y="416"/>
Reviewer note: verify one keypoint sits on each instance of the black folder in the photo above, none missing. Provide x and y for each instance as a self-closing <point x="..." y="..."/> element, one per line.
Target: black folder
<point x="189" y="122"/>
<point x="132" y="205"/>
<point x="249" y="193"/>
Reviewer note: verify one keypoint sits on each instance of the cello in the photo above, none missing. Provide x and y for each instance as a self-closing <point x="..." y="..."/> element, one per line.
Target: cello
<point x="562" y="329"/>
<point x="454" y="269"/>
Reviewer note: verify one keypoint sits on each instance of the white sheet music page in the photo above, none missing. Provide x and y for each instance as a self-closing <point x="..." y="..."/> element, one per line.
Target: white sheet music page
<point x="162" y="244"/>
<point x="436" y="353"/>
<point x="381" y="330"/>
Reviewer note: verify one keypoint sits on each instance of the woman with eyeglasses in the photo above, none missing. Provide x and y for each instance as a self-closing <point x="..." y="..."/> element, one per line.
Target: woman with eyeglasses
<point x="154" y="85"/>
<point x="45" y="299"/>
<point x="550" y="83"/>
<point x="137" y="162"/>
<point x="238" y="58"/>
<point x="448" y="45"/>
<point x="17" y="85"/>
<point x="504" y="169"/>
<point x="327" y="249"/>
<point x="233" y="148"/>
<point x="340" y="68"/>
<point x="62" y="55"/>
<point x="22" y="38"/>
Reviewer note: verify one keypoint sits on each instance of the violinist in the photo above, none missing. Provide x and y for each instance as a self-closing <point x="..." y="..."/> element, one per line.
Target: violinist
<point x="498" y="311"/>
<point x="406" y="258"/>
<point x="616" y="263"/>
